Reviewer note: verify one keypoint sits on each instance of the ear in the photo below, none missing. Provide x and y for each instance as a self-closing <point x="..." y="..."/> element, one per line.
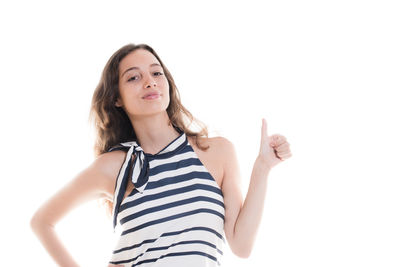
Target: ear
<point x="118" y="103"/>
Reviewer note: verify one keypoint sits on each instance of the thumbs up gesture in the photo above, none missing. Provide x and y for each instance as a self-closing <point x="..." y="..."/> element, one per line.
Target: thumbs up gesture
<point x="274" y="148"/>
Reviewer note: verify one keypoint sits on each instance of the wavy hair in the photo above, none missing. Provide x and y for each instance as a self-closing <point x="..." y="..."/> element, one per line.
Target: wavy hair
<point x="112" y="124"/>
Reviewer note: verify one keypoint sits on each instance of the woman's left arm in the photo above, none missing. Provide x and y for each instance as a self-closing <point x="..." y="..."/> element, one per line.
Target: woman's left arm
<point x="242" y="219"/>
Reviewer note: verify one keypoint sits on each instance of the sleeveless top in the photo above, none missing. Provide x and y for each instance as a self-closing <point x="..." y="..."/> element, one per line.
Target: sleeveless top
<point x="175" y="214"/>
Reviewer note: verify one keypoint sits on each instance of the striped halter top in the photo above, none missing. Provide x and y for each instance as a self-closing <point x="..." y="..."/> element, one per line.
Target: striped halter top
<point x="175" y="214"/>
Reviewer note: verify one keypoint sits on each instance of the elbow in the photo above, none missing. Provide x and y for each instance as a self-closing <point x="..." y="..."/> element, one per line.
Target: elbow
<point x="37" y="222"/>
<point x="241" y="245"/>
<point x="242" y="252"/>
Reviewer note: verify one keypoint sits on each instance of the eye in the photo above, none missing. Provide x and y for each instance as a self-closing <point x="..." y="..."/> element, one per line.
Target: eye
<point x="158" y="73"/>
<point x="132" y="78"/>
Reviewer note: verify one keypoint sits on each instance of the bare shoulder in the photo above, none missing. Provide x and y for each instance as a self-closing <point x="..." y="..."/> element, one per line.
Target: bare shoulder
<point x="224" y="149"/>
<point x="107" y="167"/>
<point x="216" y="143"/>
<point x="214" y="157"/>
<point x="223" y="143"/>
<point x="110" y="162"/>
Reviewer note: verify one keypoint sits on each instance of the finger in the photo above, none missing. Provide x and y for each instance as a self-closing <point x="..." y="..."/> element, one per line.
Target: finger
<point x="264" y="128"/>
<point x="283" y="147"/>
<point x="281" y="151"/>
<point x="284" y="155"/>
<point x="278" y="139"/>
<point x="264" y="132"/>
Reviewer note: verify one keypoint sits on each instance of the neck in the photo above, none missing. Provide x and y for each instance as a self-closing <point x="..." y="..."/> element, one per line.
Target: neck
<point x="153" y="132"/>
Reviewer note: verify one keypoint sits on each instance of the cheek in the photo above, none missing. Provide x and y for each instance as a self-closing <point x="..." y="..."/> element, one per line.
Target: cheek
<point x="130" y="100"/>
<point x="165" y="85"/>
<point x="128" y="90"/>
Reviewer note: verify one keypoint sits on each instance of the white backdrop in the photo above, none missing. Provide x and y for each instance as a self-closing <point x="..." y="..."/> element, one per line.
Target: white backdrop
<point x="325" y="74"/>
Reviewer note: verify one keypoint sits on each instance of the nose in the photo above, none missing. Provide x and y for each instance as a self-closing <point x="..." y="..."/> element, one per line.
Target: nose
<point x="150" y="82"/>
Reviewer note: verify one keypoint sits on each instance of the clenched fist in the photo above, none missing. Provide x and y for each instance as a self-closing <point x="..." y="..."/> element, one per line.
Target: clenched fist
<point x="274" y="148"/>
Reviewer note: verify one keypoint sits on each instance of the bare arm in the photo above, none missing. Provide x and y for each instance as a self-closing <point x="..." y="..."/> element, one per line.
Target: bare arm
<point x="94" y="182"/>
<point x="242" y="220"/>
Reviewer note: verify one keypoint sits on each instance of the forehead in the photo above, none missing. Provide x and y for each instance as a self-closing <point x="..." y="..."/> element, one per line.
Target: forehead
<point x="139" y="58"/>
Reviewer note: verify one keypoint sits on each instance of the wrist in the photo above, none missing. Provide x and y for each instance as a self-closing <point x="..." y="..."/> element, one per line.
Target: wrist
<point x="263" y="164"/>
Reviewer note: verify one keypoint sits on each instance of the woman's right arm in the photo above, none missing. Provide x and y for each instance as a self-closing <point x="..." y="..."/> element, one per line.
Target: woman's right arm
<point x="96" y="181"/>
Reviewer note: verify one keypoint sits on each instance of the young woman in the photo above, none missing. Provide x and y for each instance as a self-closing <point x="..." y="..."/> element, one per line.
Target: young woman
<point x="174" y="192"/>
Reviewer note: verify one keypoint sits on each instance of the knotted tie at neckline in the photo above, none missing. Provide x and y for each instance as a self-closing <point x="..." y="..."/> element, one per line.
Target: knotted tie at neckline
<point x="139" y="176"/>
<point x="140" y="170"/>
<point x="140" y="167"/>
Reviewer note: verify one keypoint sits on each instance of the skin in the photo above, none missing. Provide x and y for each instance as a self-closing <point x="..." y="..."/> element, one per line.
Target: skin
<point x="150" y="121"/>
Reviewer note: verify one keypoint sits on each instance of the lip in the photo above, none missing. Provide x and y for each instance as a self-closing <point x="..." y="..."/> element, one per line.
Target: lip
<point x="152" y="95"/>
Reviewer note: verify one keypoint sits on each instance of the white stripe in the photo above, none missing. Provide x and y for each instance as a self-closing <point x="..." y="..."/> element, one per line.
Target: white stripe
<point x="137" y="168"/>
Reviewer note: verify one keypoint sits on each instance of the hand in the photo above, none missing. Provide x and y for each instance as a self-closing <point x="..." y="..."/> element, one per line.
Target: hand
<point x="274" y="148"/>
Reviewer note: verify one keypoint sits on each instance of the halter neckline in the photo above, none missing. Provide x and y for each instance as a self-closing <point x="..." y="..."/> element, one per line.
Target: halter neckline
<point x="140" y="173"/>
<point x="172" y="146"/>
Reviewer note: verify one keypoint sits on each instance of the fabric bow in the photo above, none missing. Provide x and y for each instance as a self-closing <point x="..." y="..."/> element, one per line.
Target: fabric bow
<point x="139" y="174"/>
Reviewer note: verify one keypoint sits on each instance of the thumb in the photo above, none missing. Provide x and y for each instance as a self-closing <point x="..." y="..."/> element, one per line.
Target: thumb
<point x="265" y="128"/>
<point x="264" y="132"/>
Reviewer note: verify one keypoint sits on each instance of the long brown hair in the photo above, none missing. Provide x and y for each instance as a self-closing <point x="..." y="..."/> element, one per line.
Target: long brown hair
<point x="112" y="124"/>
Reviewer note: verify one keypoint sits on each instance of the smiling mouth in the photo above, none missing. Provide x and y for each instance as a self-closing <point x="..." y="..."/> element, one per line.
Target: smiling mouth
<point x="152" y="96"/>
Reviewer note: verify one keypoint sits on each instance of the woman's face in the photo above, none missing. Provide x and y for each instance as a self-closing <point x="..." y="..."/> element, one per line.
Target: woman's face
<point x="140" y="74"/>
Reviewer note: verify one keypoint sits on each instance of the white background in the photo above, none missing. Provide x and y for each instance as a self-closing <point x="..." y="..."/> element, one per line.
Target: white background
<point x="325" y="74"/>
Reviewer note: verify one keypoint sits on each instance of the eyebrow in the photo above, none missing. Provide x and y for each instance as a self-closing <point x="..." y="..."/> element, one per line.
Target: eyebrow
<point x="132" y="68"/>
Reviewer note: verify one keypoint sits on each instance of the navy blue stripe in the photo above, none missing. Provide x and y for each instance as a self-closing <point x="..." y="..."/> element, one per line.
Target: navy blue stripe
<point x="169" y="193"/>
<point x="186" y="253"/>
<point x="187" y="242"/>
<point x="175" y="165"/>
<point x="195" y="229"/>
<point x="168" y="206"/>
<point x="171" y="234"/>
<point x="143" y="172"/>
<point x="165" y="155"/>
<point x="173" y="217"/>
<point x="135" y="246"/>
<point x="179" y="178"/>
<point x="128" y="260"/>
